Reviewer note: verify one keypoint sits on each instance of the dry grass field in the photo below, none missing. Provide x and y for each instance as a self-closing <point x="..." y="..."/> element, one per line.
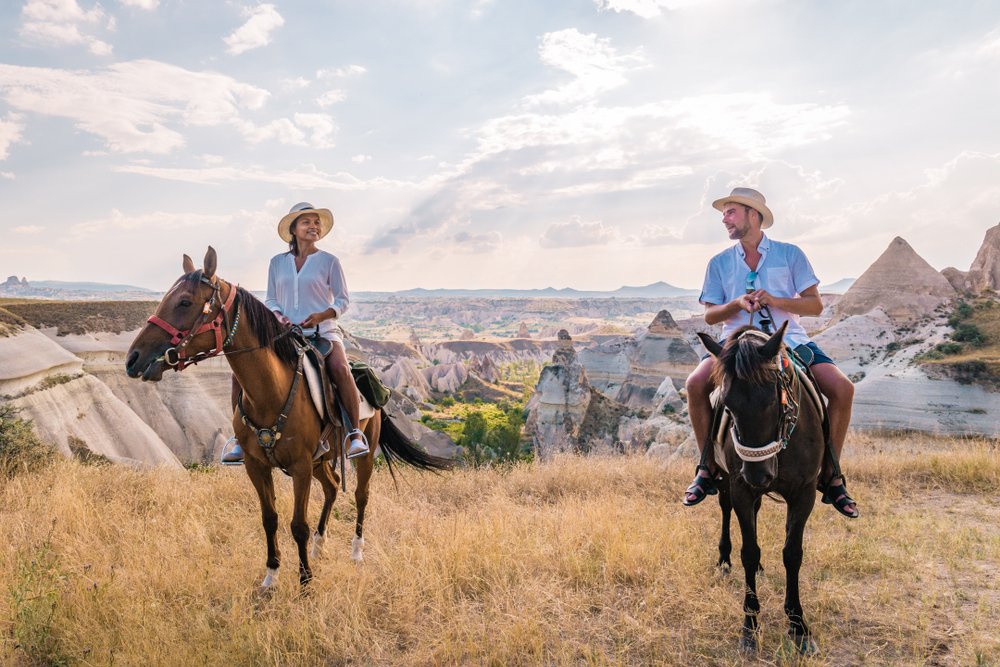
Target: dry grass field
<point x="582" y="561"/>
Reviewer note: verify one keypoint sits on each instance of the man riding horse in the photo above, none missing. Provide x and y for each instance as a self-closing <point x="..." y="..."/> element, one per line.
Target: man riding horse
<point x="765" y="282"/>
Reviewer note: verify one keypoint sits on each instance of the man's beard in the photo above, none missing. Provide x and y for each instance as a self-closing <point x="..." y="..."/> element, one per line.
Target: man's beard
<point x="738" y="232"/>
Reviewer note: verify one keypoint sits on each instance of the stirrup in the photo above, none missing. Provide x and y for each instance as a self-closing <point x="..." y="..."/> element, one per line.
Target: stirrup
<point x="232" y="453"/>
<point x="358" y="444"/>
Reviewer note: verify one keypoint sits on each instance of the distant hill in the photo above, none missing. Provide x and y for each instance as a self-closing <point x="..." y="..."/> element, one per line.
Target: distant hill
<point x="655" y="290"/>
<point x="87" y="287"/>
<point x="838" y="287"/>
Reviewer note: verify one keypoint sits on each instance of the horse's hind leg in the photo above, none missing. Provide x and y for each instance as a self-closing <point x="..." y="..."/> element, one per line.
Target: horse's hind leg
<point x="725" y="541"/>
<point x="301" y="481"/>
<point x="263" y="483"/>
<point x="328" y="480"/>
<point x="795" y="523"/>
<point x="365" y="465"/>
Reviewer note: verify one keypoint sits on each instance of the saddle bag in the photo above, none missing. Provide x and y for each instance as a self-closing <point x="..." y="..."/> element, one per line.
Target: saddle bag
<point x="369" y="384"/>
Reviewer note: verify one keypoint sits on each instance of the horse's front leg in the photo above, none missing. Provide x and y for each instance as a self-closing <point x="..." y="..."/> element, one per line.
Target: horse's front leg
<point x="743" y="502"/>
<point x="301" y="483"/>
<point x="328" y="479"/>
<point x="799" y="509"/>
<point x="263" y="482"/>
<point x="725" y="540"/>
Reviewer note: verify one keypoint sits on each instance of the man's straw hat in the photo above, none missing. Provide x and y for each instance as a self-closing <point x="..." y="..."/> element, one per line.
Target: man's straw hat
<point x="751" y="198"/>
<point x="325" y="220"/>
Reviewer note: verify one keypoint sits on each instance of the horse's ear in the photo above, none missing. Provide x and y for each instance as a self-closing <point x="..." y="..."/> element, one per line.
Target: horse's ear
<point x="188" y="264"/>
<point x="211" y="260"/>
<point x="710" y="344"/>
<point x="773" y="344"/>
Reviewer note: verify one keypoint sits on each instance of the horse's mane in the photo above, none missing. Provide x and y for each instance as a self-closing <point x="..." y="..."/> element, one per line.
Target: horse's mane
<point x="266" y="327"/>
<point x="741" y="359"/>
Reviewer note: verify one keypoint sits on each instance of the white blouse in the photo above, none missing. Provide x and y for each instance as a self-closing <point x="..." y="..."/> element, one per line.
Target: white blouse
<point x="298" y="294"/>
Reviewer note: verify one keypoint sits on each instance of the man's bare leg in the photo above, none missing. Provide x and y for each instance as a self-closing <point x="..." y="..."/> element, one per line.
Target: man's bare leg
<point x="839" y="392"/>
<point x="699" y="389"/>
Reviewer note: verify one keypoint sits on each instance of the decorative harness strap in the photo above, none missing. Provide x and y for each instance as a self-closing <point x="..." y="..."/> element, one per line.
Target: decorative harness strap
<point x="788" y="419"/>
<point x="267" y="438"/>
<point x="176" y="356"/>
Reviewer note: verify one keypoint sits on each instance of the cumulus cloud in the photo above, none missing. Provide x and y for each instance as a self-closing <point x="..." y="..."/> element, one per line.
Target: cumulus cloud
<point x="477" y="242"/>
<point x="303" y="178"/>
<point x="331" y="97"/>
<point x="11" y="128"/>
<point x="595" y="65"/>
<point x="63" y="23"/>
<point x="341" y="72"/>
<point x="132" y="105"/>
<point x="360" y="158"/>
<point x="28" y="229"/>
<point x="576" y="233"/>
<point x="148" y="5"/>
<point x="146" y="221"/>
<point x="647" y="9"/>
<point x="262" y="20"/>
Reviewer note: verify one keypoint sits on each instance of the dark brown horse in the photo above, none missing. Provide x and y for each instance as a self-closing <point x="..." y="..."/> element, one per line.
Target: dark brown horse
<point x="775" y="446"/>
<point x="202" y="316"/>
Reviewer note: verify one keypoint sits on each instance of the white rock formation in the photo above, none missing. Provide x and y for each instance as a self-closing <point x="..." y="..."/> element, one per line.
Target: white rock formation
<point x="985" y="270"/>
<point x="28" y="357"/>
<point x="404" y="376"/>
<point x="900" y="282"/>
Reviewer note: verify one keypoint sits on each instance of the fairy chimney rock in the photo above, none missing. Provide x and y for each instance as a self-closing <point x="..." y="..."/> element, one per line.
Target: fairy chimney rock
<point x="954" y="277"/>
<point x="414" y="340"/>
<point x="985" y="270"/>
<point x="900" y="282"/>
<point x="522" y="331"/>
<point x="663" y="324"/>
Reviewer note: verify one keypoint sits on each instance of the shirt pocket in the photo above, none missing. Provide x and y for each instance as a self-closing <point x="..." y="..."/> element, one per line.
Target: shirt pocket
<point x="779" y="281"/>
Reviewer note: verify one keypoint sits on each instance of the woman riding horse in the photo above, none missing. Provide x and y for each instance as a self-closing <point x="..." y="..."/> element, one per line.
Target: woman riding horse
<point x="306" y="286"/>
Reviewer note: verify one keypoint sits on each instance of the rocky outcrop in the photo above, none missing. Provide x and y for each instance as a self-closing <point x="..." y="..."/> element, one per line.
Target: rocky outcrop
<point x="984" y="274"/>
<point x="446" y="378"/>
<point x="661" y="352"/>
<point x="28" y="357"/>
<point x="901" y="283"/>
<point x="404" y="376"/>
<point x="522" y="331"/>
<point x="954" y="277"/>
<point x="84" y="413"/>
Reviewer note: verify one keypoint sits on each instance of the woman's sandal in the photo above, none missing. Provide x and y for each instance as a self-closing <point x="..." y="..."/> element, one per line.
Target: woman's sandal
<point x="836" y="495"/>
<point x="700" y="487"/>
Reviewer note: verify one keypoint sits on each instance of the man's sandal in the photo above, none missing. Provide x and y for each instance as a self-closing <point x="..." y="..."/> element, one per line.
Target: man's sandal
<point x="836" y="495"/>
<point x="700" y="487"/>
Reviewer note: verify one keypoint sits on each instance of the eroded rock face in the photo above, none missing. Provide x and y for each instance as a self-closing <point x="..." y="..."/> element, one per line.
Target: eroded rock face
<point x="985" y="270"/>
<point x="661" y="352"/>
<point x="404" y="376"/>
<point x="954" y="277"/>
<point x="559" y="406"/>
<point x="901" y="283"/>
<point x="446" y="378"/>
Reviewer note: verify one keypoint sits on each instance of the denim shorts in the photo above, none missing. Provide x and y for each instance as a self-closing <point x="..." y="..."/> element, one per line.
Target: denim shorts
<point x="809" y="353"/>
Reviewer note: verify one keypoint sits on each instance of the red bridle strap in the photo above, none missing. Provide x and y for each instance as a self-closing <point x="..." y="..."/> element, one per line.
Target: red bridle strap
<point x="180" y="338"/>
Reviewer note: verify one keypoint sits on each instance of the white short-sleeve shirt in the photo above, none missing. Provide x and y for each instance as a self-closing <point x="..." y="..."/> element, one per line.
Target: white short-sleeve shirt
<point x="298" y="294"/>
<point x="783" y="271"/>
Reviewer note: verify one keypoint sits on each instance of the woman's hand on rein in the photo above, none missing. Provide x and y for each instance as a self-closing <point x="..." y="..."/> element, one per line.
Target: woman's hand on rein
<point x="313" y="320"/>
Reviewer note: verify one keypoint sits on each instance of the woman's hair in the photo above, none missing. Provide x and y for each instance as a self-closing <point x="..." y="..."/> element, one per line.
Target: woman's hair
<point x="293" y="245"/>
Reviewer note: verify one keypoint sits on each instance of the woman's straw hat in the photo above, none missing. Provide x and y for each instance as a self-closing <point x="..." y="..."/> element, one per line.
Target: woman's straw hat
<point x="325" y="220"/>
<point x="751" y="198"/>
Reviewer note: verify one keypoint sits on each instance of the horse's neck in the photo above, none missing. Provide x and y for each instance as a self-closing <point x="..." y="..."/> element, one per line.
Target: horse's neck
<point x="264" y="377"/>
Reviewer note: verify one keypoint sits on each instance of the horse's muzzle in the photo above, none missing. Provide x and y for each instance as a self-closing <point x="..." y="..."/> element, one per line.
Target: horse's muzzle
<point x="758" y="475"/>
<point x="148" y="367"/>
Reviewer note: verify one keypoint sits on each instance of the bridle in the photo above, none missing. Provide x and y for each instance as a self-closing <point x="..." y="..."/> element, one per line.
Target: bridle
<point x="787" y="420"/>
<point x="176" y="356"/>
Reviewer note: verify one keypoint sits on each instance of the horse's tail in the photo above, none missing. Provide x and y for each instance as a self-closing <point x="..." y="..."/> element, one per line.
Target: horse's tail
<point x="397" y="447"/>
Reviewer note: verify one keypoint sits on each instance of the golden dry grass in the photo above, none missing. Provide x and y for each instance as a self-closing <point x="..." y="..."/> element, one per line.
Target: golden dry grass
<point x="582" y="561"/>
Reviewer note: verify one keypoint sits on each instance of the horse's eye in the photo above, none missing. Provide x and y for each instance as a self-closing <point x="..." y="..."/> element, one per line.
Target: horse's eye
<point x="185" y="303"/>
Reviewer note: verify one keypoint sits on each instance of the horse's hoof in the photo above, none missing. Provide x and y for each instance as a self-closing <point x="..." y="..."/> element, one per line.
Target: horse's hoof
<point x="748" y="644"/>
<point x="357" y="549"/>
<point x="724" y="568"/>
<point x="803" y="644"/>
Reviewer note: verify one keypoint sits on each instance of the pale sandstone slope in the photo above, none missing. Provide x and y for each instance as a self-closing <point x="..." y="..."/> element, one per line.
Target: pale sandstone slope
<point x="900" y="282"/>
<point x="29" y="357"/>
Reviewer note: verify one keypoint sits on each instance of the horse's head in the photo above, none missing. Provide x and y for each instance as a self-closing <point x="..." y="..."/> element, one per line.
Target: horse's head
<point x="184" y="321"/>
<point x="748" y="373"/>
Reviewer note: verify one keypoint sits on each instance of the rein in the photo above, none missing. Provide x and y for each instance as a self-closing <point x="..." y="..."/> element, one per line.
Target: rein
<point x="787" y="420"/>
<point x="267" y="438"/>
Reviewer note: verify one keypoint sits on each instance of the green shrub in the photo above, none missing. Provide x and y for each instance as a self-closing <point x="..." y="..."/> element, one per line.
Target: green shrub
<point x="948" y="348"/>
<point x="20" y="449"/>
<point x="968" y="333"/>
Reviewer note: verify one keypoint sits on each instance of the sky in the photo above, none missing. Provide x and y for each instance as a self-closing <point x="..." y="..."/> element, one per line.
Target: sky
<point x="491" y="143"/>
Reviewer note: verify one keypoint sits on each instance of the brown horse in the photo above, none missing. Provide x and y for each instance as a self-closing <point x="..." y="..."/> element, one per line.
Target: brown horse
<point x="776" y="445"/>
<point x="202" y="316"/>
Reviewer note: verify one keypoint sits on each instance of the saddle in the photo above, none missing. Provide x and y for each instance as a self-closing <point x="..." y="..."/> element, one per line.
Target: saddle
<point x="722" y="419"/>
<point x="322" y="389"/>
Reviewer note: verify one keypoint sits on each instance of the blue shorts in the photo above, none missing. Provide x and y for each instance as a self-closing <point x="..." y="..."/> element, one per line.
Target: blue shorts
<point x="809" y="353"/>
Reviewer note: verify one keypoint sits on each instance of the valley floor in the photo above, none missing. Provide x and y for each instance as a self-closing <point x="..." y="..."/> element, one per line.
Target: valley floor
<point x="579" y="561"/>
